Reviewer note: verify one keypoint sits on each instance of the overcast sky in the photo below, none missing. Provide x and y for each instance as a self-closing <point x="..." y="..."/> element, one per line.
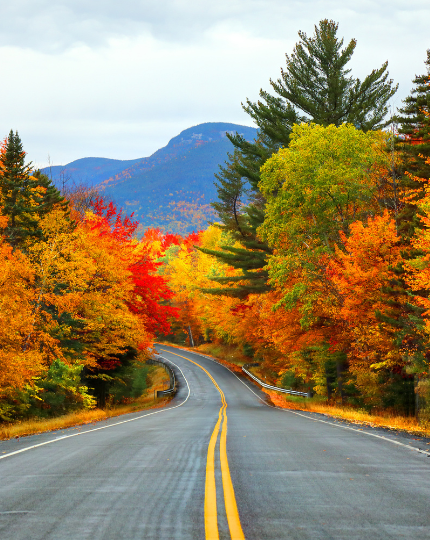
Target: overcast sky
<point x="119" y="79"/>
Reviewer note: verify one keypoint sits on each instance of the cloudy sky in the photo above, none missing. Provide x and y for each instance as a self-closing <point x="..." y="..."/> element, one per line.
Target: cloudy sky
<point x="119" y="79"/>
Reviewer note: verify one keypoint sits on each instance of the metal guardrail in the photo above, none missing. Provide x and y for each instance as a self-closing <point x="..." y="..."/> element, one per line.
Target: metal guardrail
<point x="171" y="391"/>
<point x="270" y="387"/>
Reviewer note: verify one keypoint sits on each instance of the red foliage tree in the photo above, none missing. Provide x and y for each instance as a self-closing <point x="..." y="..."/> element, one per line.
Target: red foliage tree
<point x="150" y="289"/>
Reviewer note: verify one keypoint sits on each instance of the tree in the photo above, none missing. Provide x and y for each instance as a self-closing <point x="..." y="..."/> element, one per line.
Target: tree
<point x="18" y="191"/>
<point x="404" y="315"/>
<point x="317" y="82"/>
<point x="317" y="187"/>
<point x="49" y="196"/>
<point x="241" y="221"/>
<point x="24" y="196"/>
<point x="414" y="146"/>
<point x="359" y="271"/>
<point x="18" y="365"/>
<point x="314" y="87"/>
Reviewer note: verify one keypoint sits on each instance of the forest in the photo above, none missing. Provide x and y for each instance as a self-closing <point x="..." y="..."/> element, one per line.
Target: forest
<point x="316" y="267"/>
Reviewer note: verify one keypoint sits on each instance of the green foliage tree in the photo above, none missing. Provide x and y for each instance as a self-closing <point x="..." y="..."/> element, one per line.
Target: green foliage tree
<point x="57" y="391"/>
<point x="49" y="195"/>
<point x="316" y="188"/>
<point x="18" y="192"/>
<point x="316" y="86"/>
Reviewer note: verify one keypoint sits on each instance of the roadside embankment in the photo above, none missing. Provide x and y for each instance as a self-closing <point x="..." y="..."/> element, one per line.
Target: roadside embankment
<point x="148" y="400"/>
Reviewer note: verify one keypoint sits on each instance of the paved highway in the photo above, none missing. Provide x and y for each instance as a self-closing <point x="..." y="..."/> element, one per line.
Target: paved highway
<point x="217" y="464"/>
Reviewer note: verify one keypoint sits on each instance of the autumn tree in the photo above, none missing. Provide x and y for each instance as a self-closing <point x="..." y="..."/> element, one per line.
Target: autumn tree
<point x="317" y="187"/>
<point x="316" y="86"/>
<point x="405" y="316"/>
<point x="360" y="271"/>
<point x="416" y="351"/>
<point x="18" y="364"/>
<point x="414" y="146"/>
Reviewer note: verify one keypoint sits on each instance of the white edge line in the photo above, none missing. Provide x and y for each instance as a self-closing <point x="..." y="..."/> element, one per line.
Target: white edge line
<point x="104" y="427"/>
<point x="425" y="452"/>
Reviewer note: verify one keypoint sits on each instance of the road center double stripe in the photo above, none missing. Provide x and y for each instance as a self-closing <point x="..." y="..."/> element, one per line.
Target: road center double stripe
<point x="211" y="515"/>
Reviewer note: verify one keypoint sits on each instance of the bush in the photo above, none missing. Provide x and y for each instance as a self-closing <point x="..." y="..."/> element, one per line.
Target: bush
<point x="290" y="381"/>
<point x="60" y="391"/>
<point x="131" y="382"/>
<point x="248" y="350"/>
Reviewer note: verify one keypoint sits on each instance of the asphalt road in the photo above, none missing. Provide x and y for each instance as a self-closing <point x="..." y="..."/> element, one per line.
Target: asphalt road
<point x="145" y="476"/>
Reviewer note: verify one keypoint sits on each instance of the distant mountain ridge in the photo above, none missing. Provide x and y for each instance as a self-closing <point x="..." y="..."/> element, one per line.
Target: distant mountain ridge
<point x="182" y="171"/>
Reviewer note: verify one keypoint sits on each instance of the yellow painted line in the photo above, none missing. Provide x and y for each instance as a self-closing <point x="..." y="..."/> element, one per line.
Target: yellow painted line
<point x="232" y="512"/>
<point x="211" y="519"/>
<point x="211" y="514"/>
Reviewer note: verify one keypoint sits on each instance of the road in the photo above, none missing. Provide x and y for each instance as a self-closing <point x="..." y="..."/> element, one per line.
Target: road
<point x="218" y="459"/>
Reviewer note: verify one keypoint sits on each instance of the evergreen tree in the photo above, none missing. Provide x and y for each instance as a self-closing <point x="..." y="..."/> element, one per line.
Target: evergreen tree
<point x="315" y="86"/>
<point x="17" y="191"/>
<point x="404" y="319"/>
<point x="50" y="196"/>
<point x="24" y="196"/>
<point x="317" y="82"/>
<point x="414" y="146"/>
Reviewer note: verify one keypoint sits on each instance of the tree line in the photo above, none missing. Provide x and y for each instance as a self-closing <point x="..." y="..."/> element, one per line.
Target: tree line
<point x="316" y="266"/>
<point x="318" y="263"/>
<point x="80" y="296"/>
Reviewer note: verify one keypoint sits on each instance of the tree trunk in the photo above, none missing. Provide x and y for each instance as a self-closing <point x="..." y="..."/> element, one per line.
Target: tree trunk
<point x="190" y="335"/>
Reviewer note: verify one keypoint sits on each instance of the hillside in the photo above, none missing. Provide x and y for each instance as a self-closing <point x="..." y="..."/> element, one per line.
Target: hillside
<point x="172" y="185"/>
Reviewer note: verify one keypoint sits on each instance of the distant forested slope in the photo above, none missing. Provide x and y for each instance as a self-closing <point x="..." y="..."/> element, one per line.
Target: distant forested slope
<point x="174" y="184"/>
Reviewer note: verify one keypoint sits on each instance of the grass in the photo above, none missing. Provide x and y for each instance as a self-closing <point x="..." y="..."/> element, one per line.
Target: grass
<point x="229" y="353"/>
<point x="38" y="425"/>
<point x="384" y="419"/>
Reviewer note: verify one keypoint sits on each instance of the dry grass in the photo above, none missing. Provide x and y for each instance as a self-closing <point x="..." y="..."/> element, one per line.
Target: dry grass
<point x="385" y="420"/>
<point x="158" y="378"/>
<point x="228" y="353"/>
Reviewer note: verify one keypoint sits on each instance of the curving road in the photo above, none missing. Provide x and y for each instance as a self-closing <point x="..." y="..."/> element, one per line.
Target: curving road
<point x="179" y="473"/>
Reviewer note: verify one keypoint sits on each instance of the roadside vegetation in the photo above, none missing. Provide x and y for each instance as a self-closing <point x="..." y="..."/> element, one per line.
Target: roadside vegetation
<point x="316" y="269"/>
<point x="383" y="418"/>
<point x="157" y="380"/>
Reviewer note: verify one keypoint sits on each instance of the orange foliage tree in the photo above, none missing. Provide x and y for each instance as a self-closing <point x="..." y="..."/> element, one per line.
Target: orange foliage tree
<point x="360" y="271"/>
<point x="18" y="362"/>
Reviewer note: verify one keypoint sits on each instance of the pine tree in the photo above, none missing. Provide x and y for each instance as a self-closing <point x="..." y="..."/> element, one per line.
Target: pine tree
<point x="317" y="82"/>
<point x="241" y="221"/>
<point x="49" y="195"/>
<point x="403" y="317"/>
<point x="24" y="196"/>
<point x="414" y="146"/>
<point x="315" y="86"/>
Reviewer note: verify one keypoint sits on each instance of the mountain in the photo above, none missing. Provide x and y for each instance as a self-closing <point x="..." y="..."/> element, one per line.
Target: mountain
<point x="89" y="171"/>
<point x="169" y="189"/>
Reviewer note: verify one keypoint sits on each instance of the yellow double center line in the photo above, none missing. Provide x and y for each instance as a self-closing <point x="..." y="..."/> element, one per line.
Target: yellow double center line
<point x="211" y="514"/>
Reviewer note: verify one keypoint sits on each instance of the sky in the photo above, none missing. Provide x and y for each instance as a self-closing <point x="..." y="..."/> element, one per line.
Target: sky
<point x="119" y="79"/>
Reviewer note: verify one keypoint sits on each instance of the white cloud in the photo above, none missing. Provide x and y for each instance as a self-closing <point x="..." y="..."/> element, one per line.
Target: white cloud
<point x="119" y="79"/>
